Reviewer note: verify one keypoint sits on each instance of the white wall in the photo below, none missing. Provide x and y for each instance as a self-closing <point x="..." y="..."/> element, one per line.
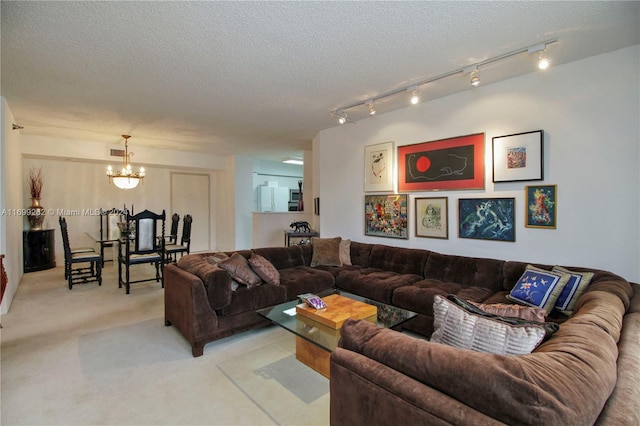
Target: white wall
<point x="10" y="196"/>
<point x="590" y="112"/>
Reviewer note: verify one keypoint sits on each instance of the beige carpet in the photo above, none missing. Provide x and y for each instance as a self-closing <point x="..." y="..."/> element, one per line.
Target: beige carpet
<point x="94" y="356"/>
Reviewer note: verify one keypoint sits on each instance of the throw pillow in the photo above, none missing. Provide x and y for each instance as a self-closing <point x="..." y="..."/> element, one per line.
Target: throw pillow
<point x="515" y="311"/>
<point x="575" y="287"/>
<point x="264" y="269"/>
<point x="216" y="258"/>
<point x="538" y="288"/>
<point x="345" y="252"/>
<point x="326" y="251"/>
<point x="454" y="326"/>
<point x="238" y="267"/>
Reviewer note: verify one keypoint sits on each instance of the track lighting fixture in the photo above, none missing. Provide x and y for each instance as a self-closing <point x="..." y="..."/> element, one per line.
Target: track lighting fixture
<point x="414" y="95"/>
<point x="543" y="63"/>
<point x="475" y="80"/>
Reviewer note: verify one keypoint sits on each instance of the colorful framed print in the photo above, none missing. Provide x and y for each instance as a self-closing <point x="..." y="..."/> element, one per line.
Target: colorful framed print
<point x="541" y="206"/>
<point x="518" y="157"/>
<point x="432" y="217"/>
<point x="455" y="163"/>
<point x="487" y="218"/>
<point x="386" y="216"/>
<point x="378" y="167"/>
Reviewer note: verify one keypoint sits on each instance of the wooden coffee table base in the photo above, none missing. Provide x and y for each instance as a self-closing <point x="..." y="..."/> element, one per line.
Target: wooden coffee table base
<point x="312" y="356"/>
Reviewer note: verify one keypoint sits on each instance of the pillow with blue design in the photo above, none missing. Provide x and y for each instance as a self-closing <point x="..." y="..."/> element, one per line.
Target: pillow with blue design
<point x="556" y="289"/>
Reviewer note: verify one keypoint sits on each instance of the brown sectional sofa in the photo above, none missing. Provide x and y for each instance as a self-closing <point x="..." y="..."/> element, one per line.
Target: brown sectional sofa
<point x="588" y="372"/>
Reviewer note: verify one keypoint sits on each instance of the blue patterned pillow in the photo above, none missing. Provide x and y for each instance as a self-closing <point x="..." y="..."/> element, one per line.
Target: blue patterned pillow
<point x="575" y="287"/>
<point x="538" y="288"/>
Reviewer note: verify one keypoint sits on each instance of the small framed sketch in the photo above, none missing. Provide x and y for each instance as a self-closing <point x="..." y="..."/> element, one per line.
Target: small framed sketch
<point x="487" y="218"/>
<point x="432" y="217"/>
<point x="541" y="206"/>
<point x="378" y="167"/>
<point x="518" y="157"/>
<point x="386" y="216"/>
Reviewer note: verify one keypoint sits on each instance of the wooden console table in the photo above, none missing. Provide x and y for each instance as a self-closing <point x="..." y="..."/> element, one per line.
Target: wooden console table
<point x="288" y="235"/>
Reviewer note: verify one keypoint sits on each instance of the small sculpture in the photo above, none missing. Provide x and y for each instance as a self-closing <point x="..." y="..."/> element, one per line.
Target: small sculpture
<point x="300" y="226"/>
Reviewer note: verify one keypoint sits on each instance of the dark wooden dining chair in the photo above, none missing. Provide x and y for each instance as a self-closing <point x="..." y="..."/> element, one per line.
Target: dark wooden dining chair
<point x="90" y="261"/>
<point x="171" y="250"/>
<point x="142" y="243"/>
<point x="109" y="230"/>
<point x="172" y="238"/>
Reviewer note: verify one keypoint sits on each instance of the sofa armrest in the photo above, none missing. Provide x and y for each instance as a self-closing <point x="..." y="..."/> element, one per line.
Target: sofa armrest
<point x="186" y="306"/>
<point x="511" y="389"/>
<point x="364" y="392"/>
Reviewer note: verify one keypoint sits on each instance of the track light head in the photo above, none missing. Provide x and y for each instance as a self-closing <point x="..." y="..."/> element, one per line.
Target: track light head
<point x="342" y="117"/>
<point x="372" y="110"/>
<point x="415" y="99"/>
<point x="475" y="80"/>
<point x="543" y="62"/>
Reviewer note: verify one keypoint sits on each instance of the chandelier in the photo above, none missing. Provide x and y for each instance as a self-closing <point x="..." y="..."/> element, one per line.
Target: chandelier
<point x="125" y="178"/>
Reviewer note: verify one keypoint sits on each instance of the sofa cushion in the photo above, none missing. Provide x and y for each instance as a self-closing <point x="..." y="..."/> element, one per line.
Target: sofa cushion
<point x="575" y="287"/>
<point x="418" y="297"/>
<point x="345" y="252"/>
<point x="398" y="260"/>
<point x="360" y="253"/>
<point x="264" y="269"/>
<point x="538" y="288"/>
<point x="326" y="251"/>
<point x="215" y="258"/>
<point x="374" y="283"/>
<point x="455" y="326"/>
<point x="238" y="267"/>
<point x="217" y="282"/>
<point x="304" y="279"/>
<point x="282" y="257"/>
<point x="513" y="310"/>
<point x="468" y="271"/>
<point x="253" y="298"/>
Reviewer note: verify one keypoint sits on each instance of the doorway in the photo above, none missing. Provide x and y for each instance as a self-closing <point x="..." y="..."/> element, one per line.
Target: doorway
<point x="190" y="194"/>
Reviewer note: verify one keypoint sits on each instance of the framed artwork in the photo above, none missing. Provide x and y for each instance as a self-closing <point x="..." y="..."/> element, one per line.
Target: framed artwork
<point x="541" y="206"/>
<point x="378" y="167"/>
<point x="386" y="216"/>
<point x="487" y="218"/>
<point x="518" y="157"/>
<point x="455" y="163"/>
<point x="431" y="217"/>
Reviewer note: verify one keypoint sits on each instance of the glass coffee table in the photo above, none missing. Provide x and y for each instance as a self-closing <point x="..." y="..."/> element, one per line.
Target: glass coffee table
<point x="315" y="340"/>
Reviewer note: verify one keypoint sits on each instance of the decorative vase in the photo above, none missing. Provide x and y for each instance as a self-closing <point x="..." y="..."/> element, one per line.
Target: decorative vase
<point x="300" y="202"/>
<point x="35" y="214"/>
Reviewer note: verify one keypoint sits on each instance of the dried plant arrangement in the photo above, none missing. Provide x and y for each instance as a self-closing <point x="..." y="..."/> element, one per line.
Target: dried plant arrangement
<point x="35" y="179"/>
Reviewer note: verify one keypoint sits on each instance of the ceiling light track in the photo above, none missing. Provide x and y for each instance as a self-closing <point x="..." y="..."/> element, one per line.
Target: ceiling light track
<point x="341" y="113"/>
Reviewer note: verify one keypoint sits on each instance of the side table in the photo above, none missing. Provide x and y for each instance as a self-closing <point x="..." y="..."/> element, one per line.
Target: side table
<point x="38" y="249"/>
<point x="288" y="235"/>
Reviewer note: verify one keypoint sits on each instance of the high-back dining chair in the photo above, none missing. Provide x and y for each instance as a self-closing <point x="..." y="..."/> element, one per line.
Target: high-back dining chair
<point x="172" y="238"/>
<point x="92" y="261"/>
<point x="143" y="243"/>
<point x="171" y="250"/>
<point x="109" y="230"/>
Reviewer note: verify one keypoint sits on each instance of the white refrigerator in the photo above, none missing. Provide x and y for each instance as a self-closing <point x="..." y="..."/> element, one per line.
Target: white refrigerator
<point x="273" y="199"/>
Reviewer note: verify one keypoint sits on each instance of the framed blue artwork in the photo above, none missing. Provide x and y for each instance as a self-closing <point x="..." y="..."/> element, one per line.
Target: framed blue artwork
<point x="487" y="218"/>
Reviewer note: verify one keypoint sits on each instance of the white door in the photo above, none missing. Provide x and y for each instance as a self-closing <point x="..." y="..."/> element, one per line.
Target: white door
<point x="190" y="195"/>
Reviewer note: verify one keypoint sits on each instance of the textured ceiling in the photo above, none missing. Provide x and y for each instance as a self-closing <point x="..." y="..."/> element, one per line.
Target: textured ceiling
<point x="259" y="78"/>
